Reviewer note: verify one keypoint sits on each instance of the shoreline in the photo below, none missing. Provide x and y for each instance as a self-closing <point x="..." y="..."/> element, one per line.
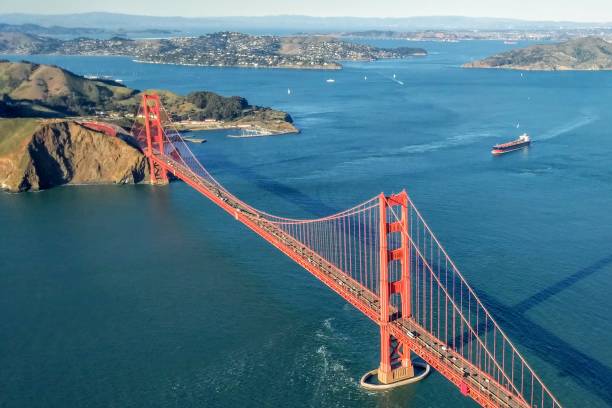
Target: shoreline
<point x="528" y="69"/>
<point x="204" y="126"/>
<point x="333" y="66"/>
<point x="336" y="67"/>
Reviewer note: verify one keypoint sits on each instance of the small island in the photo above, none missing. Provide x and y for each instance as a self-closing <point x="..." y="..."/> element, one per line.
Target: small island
<point x="223" y="49"/>
<point x="580" y="54"/>
<point x="50" y="133"/>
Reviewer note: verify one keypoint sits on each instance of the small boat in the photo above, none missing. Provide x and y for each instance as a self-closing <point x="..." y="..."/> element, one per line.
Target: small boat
<point x="521" y="142"/>
<point x="288" y="91"/>
<point x="508" y="42"/>
<point x="330" y="80"/>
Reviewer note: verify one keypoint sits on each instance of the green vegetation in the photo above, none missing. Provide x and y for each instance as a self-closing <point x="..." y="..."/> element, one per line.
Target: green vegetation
<point x="33" y="90"/>
<point x="14" y="132"/>
<point x="580" y="54"/>
<point x="215" y="49"/>
<point x="28" y="89"/>
<point x="216" y="106"/>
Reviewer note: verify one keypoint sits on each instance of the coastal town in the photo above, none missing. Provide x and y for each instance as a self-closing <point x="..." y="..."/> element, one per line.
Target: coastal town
<point x="305" y="204"/>
<point x="222" y="49"/>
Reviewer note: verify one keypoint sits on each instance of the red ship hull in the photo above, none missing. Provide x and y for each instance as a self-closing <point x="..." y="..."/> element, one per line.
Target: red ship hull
<point x="509" y="147"/>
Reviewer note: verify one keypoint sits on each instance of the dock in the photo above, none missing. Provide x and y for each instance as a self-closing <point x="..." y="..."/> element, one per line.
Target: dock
<point x="194" y="139"/>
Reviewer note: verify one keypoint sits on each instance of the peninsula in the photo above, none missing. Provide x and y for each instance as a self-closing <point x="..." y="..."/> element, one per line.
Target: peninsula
<point x="46" y="139"/>
<point x="36" y="90"/>
<point x="222" y="49"/>
<point x="579" y="54"/>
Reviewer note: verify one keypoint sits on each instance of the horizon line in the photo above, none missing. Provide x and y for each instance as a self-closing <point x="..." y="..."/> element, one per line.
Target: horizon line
<point x="315" y="16"/>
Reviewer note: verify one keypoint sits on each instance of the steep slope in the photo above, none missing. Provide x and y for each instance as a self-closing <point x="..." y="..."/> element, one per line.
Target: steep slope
<point x="36" y="155"/>
<point x="58" y="90"/>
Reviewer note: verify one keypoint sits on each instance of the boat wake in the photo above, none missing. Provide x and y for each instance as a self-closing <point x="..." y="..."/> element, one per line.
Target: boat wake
<point x="327" y="374"/>
<point x="453" y="141"/>
<point x="365" y="161"/>
<point x="566" y="128"/>
<point x="391" y="78"/>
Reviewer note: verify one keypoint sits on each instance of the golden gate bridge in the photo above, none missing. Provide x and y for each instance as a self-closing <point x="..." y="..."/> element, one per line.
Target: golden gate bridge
<point x="382" y="258"/>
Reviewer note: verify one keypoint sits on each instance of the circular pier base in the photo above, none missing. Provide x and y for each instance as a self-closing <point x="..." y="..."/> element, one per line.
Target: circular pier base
<point x="369" y="385"/>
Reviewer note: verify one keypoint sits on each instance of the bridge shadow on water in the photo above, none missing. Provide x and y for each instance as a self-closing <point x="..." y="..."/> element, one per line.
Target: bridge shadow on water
<point x="585" y="370"/>
<point x="552" y="290"/>
<point x="311" y="205"/>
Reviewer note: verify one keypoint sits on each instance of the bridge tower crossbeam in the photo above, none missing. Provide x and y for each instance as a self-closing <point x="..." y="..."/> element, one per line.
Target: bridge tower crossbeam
<point x="154" y="131"/>
<point x="382" y="257"/>
<point x="395" y="363"/>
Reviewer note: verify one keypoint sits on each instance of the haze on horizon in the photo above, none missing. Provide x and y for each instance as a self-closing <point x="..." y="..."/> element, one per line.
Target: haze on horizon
<point x="540" y="10"/>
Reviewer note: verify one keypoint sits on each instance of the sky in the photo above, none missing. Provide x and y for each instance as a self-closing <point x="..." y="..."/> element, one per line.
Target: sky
<point x="567" y="10"/>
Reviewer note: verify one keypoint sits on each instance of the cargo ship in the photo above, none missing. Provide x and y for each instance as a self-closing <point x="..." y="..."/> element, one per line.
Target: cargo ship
<point x="521" y="142"/>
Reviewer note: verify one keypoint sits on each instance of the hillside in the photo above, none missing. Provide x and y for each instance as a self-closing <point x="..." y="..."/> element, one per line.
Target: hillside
<point x="42" y="145"/>
<point x="34" y="90"/>
<point x="581" y="54"/>
<point x="39" y="154"/>
<point x="47" y="90"/>
<point x="24" y="43"/>
<point x="227" y="49"/>
<point x="72" y="32"/>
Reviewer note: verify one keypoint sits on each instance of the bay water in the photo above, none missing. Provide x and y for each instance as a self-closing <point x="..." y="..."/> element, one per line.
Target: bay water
<point x="141" y="296"/>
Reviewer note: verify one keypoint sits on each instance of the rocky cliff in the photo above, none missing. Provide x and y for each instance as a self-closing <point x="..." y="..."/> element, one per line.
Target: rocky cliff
<point x="39" y="154"/>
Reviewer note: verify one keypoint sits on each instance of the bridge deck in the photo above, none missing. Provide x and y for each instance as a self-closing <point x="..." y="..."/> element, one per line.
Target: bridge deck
<point x="483" y="389"/>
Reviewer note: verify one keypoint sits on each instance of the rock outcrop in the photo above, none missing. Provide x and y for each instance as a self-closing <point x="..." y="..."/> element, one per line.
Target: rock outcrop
<point x="49" y="153"/>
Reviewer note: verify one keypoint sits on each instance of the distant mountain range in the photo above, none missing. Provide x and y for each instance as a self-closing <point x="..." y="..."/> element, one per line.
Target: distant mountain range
<point x="72" y="32"/>
<point x="286" y="23"/>
<point x="51" y="30"/>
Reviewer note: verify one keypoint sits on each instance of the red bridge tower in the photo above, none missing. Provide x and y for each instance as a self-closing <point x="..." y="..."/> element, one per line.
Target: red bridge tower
<point x="154" y="131"/>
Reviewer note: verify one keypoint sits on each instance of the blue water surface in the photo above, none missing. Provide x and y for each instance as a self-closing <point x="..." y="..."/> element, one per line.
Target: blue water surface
<point x="140" y="296"/>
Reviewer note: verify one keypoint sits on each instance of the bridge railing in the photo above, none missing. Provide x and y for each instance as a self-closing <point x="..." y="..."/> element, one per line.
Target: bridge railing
<point x="349" y="240"/>
<point x="447" y="307"/>
<point x="442" y="302"/>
